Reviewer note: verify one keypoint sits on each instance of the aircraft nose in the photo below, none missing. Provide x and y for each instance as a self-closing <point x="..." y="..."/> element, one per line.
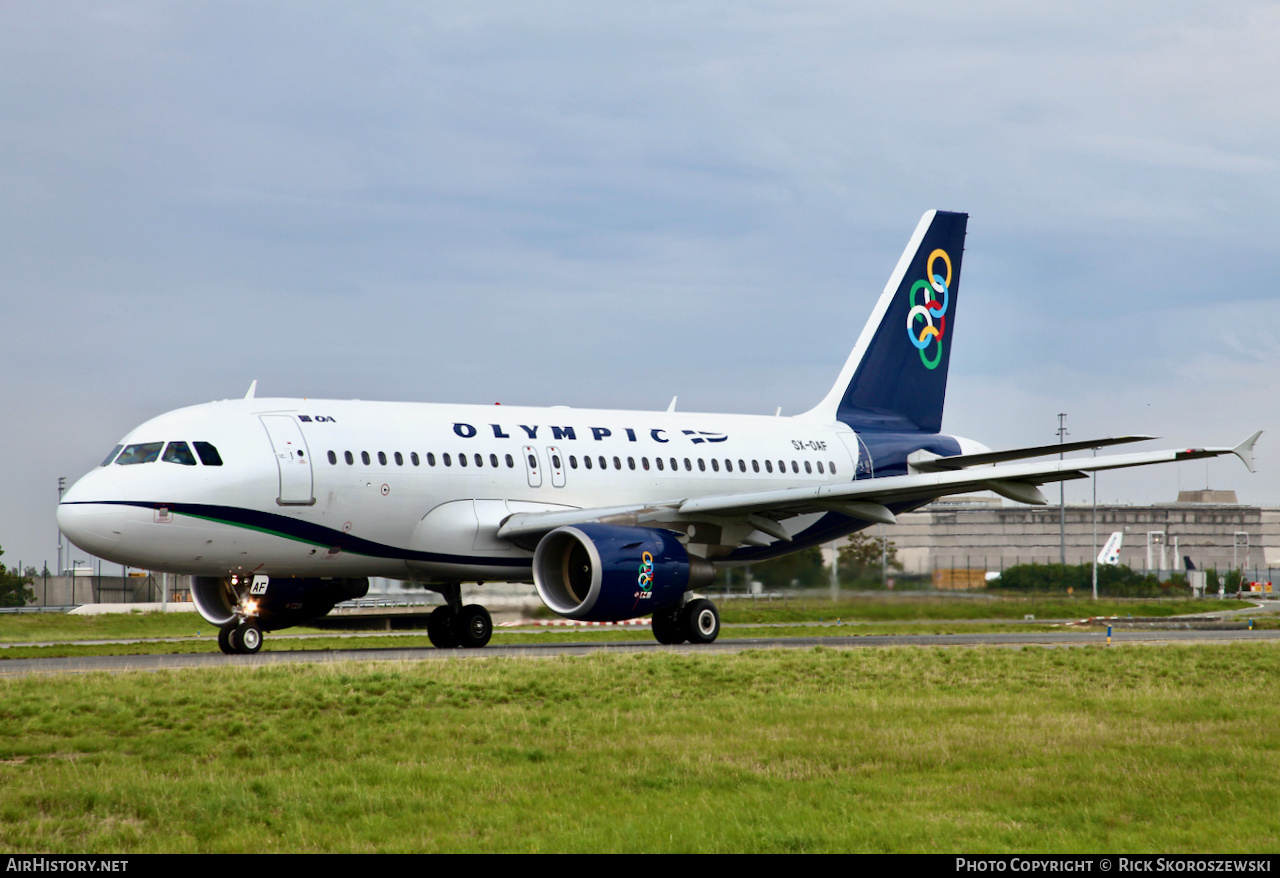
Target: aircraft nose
<point x="94" y="527"/>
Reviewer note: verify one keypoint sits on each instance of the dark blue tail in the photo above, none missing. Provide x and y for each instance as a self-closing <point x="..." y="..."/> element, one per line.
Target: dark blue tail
<point x="896" y="377"/>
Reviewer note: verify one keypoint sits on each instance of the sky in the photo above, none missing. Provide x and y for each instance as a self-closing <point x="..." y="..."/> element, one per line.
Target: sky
<point x="605" y="204"/>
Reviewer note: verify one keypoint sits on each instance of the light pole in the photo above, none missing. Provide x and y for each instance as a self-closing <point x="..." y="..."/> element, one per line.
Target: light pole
<point x="62" y="487"/>
<point x="1062" y="496"/>
<point x="1094" y="476"/>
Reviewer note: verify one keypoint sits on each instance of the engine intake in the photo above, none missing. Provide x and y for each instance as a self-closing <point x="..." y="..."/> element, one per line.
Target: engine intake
<point x="606" y="573"/>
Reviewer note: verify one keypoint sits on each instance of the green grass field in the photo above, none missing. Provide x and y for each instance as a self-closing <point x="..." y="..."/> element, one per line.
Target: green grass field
<point x="1130" y="749"/>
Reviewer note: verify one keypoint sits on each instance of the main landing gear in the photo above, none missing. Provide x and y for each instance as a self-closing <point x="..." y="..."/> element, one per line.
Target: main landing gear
<point x="455" y="625"/>
<point x="240" y="637"/>
<point x="697" y="622"/>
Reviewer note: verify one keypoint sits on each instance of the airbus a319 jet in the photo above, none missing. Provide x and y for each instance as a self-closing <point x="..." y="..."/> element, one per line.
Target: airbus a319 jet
<point x="282" y="508"/>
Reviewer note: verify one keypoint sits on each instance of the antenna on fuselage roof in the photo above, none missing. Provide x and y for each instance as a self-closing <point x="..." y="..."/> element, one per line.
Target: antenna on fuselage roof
<point x="672" y="407"/>
<point x="778" y="413"/>
<point x="252" y="388"/>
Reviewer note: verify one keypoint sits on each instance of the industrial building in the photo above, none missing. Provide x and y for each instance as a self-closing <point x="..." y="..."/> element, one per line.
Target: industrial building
<point x="1208" y="527"/>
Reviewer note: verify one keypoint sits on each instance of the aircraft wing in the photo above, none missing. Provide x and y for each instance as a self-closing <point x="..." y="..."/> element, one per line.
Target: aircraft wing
<point x="866" y="499"/>
<point x="926" y="462"/>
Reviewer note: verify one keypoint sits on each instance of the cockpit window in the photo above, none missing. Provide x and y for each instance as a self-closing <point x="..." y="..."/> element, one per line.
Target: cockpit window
<point x="178" y="452"/>
<point x="145" y="452"/>
<point x="208" y="454"/>
<point x="112" y="456"/>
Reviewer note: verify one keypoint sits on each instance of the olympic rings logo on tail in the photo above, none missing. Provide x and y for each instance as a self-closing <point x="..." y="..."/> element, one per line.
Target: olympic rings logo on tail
<point x="920" y="319"/>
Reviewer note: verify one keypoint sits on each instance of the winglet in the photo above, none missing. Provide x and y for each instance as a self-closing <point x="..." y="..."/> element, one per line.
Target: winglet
<point x="1244" y="451"/>
<point x="252" y="387"/>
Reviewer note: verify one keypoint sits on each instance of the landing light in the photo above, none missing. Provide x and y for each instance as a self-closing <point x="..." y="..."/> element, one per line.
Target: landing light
<point x="249" y="608"/>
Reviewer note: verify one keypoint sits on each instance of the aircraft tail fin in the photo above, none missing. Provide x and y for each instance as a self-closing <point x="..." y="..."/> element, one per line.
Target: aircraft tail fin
<point x="896" y="377"/>
<point x="1110" y="553"/>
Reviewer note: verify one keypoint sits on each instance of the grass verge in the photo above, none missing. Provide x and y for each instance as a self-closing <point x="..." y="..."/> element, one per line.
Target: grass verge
<point x="1170" y="749"/>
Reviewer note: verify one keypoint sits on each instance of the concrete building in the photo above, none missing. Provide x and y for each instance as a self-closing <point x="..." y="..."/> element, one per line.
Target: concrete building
<point x="1209" y="527"/>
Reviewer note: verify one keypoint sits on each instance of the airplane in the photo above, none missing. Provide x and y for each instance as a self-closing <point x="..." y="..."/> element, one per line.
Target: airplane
<point x="282" y="508"/>
<point x="1110" y="553"/>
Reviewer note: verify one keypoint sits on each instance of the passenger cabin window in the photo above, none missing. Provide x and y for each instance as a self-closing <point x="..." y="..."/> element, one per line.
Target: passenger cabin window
<point x="143" y="452"/>
<point x="112" y="456"/>
<point x="350" y="460"/>
<point x="413" y="456"/>
<point x="333" y="458"/>
<point x="382" y="458"/>
<point x="179" y="452"/>
<point x="364" y="457"/>
<point x="399" y="459"/>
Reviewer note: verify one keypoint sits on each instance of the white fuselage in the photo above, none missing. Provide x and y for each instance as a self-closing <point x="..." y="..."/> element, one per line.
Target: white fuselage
<point x="409" y="490"/>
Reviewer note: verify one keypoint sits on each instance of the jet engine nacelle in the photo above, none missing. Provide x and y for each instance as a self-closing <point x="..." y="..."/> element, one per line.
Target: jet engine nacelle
<point x="607" y="573"/>
<point x="284" y="602"/>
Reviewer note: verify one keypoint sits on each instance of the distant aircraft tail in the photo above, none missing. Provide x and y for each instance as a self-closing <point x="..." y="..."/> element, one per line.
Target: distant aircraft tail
<point x="896" y="377"/>
<point x="1110" y="553"/>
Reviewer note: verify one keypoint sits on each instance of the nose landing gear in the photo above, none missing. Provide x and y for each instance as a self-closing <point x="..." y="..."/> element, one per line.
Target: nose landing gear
<point x="240" y="638"/>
